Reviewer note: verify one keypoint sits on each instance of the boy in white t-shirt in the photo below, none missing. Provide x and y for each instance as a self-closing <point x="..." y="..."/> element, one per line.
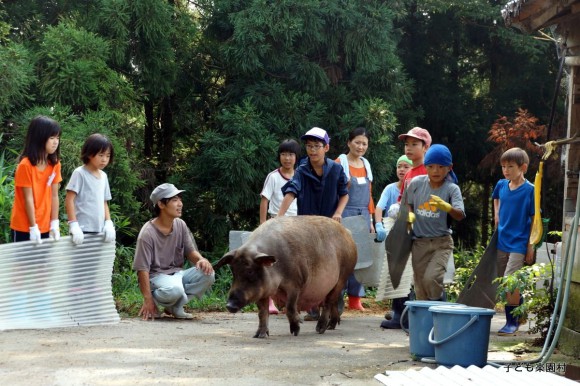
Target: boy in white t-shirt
<point x="288" y="153"/>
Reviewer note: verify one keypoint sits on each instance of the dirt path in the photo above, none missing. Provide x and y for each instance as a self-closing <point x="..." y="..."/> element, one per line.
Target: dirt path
<point x="213" y="349"/>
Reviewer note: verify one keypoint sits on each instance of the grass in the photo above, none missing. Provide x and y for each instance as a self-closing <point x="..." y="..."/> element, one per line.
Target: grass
<point x="129" y="300"/>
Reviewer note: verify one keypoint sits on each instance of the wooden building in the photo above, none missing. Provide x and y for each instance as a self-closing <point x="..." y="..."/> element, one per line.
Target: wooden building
<point x="563" y="17"/>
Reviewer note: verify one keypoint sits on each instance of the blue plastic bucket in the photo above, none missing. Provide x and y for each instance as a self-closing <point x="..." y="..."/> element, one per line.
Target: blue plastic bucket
<point x="460" y="335"/>
<point x="420" y="324"/>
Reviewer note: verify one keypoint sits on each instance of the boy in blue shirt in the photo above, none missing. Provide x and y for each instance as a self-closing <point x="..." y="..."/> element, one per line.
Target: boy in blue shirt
<point x="319" y="185"/>
<point x="513" y="203"/>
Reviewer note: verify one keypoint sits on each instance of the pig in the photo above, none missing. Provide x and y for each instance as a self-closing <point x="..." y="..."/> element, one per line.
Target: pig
<point x="302" y="261"/>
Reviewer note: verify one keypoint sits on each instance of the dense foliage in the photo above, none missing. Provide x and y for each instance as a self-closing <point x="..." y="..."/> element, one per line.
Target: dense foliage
<point x="201" y="93"/>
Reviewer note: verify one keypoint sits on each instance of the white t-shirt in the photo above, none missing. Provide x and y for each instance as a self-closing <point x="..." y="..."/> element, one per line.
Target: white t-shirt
<point x="92" y="192"/>
<point x="272" y="191"/>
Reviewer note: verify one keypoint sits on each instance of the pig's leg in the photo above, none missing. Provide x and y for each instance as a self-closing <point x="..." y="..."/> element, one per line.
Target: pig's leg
<point x="263" y="316"/>
<point x="331" y="308"/>
<point x="322" y="324"/>
<point x="292" y="313"/>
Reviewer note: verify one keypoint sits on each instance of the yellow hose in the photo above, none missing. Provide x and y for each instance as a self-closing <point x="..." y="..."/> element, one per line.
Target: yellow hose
<point x="537" y="226"/>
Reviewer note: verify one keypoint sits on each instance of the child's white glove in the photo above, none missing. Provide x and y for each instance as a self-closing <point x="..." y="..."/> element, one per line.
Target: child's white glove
<point x="109" y="231"/>
<point x="77" y="235"/>
<point x="35" y="234"/>
<point x="393" y="211"/>
<point x="55" y="230"/>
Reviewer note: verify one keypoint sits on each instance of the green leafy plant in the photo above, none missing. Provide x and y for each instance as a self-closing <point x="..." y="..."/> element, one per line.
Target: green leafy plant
<point x="534" y="284"/>
<point x="465" y="263"/>
<point x="6" y="197"/>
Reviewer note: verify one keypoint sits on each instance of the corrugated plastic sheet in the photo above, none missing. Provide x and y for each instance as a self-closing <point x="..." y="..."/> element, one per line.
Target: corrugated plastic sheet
<point x="472" y="375"/>
<point x="56" y="284"/>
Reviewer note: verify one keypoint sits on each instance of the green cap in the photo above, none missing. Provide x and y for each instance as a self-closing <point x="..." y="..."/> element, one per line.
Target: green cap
<point x="404" y="158"/>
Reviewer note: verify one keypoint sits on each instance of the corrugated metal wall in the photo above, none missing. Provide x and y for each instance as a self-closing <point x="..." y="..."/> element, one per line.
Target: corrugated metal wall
<point x="56" y="284"/>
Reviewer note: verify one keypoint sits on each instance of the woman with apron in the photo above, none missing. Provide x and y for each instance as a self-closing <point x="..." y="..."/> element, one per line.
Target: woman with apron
<point x="360" y="202"/>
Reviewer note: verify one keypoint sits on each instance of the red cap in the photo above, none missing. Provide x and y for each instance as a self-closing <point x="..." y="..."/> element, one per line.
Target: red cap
<point x="419" y="133"/>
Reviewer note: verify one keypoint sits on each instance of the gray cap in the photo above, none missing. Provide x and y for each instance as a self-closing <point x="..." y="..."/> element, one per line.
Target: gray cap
<point x="164" y="191"/>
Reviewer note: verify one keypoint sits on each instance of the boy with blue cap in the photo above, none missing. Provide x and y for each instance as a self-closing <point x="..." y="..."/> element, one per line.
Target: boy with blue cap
<point x="432" y="199"/>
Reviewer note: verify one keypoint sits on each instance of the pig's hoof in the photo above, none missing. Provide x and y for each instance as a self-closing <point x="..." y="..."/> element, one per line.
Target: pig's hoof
<point x="295" y="329"/>
<point x="332" y="324"/>
<point x="321" y="327"/>
<point x="262" y="334"/>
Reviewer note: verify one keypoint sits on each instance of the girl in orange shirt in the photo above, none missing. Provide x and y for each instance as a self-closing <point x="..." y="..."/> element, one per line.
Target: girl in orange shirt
<point x="36" y="182"/>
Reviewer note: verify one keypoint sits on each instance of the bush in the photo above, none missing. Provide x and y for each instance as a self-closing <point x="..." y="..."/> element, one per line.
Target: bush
<point x="538" y="301"/>
<point x="465" y="263"/>
<point x="6" y="197"/>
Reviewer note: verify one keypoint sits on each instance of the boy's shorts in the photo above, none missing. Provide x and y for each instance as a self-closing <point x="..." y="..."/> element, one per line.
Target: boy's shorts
<point x="508" y="263"/>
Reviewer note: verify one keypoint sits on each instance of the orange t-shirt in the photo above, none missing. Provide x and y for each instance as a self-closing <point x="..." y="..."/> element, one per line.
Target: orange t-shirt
<point x="28" y="176"/>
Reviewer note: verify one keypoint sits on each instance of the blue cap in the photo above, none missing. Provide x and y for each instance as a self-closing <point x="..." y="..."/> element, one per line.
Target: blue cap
<point x="440" y="155"/>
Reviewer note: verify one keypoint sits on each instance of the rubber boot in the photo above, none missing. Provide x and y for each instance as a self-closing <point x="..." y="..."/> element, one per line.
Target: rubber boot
<point x="272" y="307"/>
<point x="395" y="321"/>
<point x="512" y="322"/>
<point x="312" y="314"/>
<point x="354" y="303"/>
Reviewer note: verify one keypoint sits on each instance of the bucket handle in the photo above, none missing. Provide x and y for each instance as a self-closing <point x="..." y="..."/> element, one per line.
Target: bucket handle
<point x="402" y="318"/>
<point x="473" y="319"/>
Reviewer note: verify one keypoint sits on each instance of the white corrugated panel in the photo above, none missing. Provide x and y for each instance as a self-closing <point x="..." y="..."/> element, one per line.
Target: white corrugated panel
<point x="473" y="375"/>
<point x="56" y="284"/>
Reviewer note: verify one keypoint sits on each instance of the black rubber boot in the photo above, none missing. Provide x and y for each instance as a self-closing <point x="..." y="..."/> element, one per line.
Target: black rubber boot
<point x="512" y="322"/>
<point x="341" y="302"/>
<point x="395" y="321"/>
<point x="313" y="314"/>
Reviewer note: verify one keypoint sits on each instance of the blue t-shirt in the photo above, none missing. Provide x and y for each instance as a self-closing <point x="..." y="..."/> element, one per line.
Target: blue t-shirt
<point x="317" y="195"/>
<point x="389" y="196"/>
<point x="516" y="209"/>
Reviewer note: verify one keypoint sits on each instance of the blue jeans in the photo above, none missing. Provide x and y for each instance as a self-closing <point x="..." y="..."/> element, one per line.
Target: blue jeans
<point x="178" y="289"/>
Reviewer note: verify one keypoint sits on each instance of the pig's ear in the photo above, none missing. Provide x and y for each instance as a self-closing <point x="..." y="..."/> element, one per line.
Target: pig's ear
<point x="226" y="259"/>
<point x="265" y="260"/>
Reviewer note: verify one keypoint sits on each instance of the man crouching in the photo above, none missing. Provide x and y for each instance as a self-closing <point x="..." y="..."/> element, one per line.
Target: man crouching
<point x="162" y="246"/>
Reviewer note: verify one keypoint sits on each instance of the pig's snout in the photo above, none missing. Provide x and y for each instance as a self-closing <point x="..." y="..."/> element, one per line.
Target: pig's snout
<point x="235" y="302"/>
<point x="232" y="307"/>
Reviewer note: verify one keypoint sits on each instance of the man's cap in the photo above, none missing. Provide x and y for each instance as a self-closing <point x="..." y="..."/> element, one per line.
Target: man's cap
<point x="405" y="159"/>
<point x="316" y="133"/>
<point x="419" y="133"/>
<point x="164" y="191"/>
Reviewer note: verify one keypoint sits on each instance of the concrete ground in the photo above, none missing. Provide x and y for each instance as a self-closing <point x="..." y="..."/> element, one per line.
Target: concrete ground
<point x="215" y="349"/>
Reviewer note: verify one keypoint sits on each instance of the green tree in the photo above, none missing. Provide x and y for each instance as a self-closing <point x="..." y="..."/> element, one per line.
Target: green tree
<point x="286" y="67"/>
<point x="17" y="73"/>
<point x="73" y="70"/>
<point x="469" y="69"/>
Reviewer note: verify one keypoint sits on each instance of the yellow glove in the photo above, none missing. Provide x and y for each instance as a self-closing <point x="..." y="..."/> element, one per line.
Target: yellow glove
<point x="411" y="218"/>
<point x="440" y="204"/>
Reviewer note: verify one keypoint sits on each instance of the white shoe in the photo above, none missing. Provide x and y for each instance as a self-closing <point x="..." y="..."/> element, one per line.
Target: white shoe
<point x="178" y="313"/>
